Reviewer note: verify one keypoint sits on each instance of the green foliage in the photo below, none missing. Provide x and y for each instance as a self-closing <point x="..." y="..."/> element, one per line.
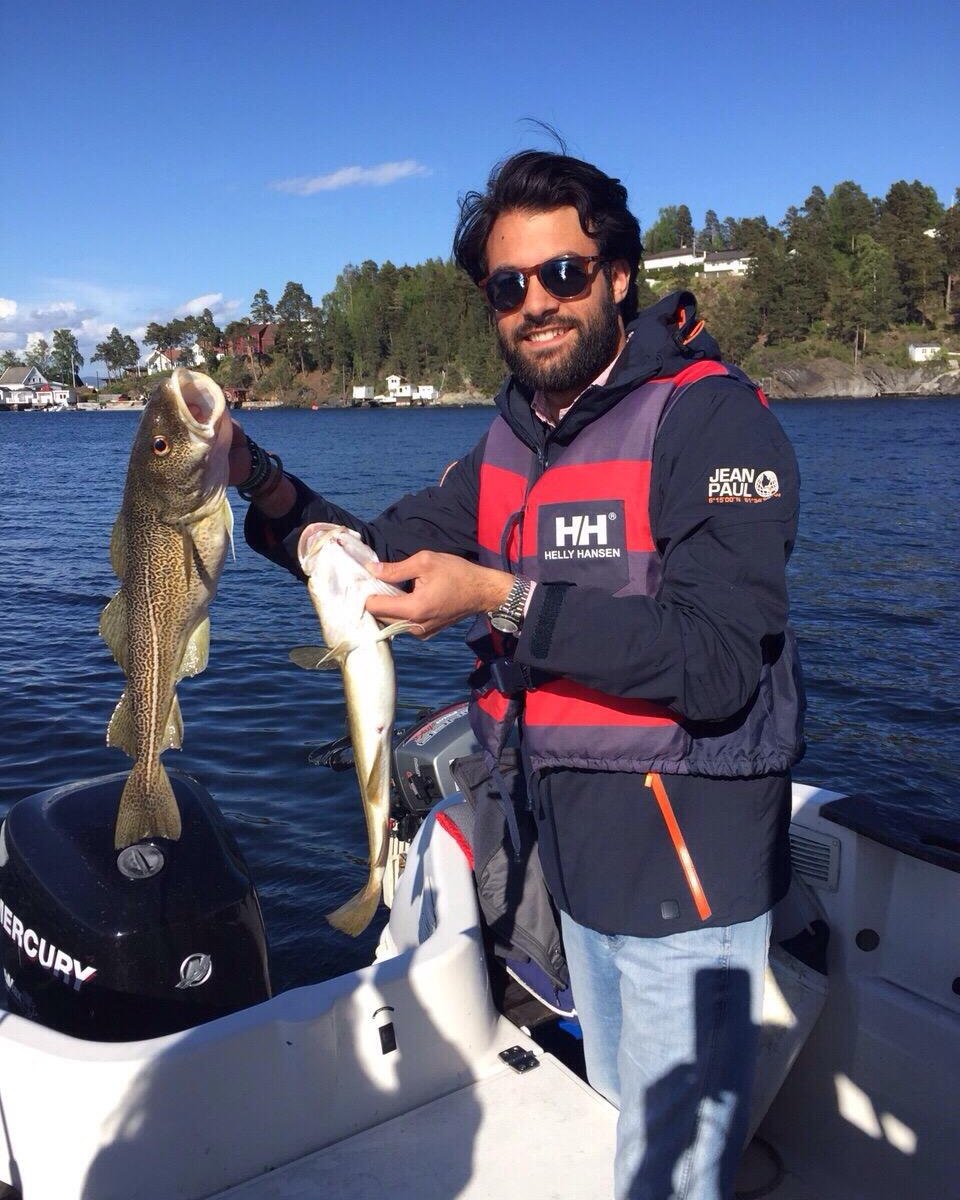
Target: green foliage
<point x="66" y="358"/>
<point x="276" y="378"/>
<point x="261" y="310"/>
<point x="38" y="355"/>
<point x="119" y="352"/>
<point x="672" y="228"/>
<point x="10" y="358"/>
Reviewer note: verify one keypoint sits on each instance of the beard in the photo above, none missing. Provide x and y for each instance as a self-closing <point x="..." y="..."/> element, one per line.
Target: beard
<point x="575" y="368"/>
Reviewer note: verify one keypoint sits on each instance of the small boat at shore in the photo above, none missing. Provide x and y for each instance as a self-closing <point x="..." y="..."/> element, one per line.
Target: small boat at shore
<point x="432" y="1074"/>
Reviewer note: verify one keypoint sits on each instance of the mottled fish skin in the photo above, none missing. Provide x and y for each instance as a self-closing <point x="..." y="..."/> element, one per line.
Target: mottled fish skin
<point x="335" y="561"/>
<point x="168" y="547"/>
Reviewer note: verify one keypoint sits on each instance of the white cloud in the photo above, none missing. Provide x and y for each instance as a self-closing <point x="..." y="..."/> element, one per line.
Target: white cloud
<point x="378" y="176"/>
<point x="57" y="311"/>
<point x="8" y="308"/>
<point x="194" y="307"/>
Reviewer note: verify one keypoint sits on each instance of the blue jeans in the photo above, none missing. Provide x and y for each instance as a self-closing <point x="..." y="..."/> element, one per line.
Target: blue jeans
<point x="670" y="1033"/>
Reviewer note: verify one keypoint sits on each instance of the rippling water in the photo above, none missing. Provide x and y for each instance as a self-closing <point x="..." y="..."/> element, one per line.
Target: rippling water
<point x="875" y="584"/>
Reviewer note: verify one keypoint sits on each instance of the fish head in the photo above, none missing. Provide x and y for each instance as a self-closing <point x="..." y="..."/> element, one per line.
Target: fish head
<point x="312" y="540"/>
<point x="180" y="454"/>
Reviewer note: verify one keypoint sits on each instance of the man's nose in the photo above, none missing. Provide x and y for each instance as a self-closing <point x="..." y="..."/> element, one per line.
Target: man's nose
<point x="538" y="302"/>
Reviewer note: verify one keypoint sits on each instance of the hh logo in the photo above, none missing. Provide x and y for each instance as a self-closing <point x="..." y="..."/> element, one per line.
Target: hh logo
<point x="582" y="530"/>
<point x="583" y="540"/>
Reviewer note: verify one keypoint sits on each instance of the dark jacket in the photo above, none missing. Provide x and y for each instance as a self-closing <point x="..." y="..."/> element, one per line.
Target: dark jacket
<point x="697" y="646"/>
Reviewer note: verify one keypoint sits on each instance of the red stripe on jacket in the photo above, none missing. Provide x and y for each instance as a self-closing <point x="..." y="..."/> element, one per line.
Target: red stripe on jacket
<point x="563" y="702"/>
<point x="502" y="492"/>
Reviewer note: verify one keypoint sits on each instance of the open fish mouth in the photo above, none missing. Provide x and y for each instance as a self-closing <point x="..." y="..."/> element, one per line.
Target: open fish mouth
<point x="312" y="540"/>
<point x="200" y="403"/>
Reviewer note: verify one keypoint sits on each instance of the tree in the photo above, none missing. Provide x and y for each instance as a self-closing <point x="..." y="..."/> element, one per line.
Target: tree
<point x="261" y="310"/>
<point x="294" y="317"/>
<point x="38" y="355"/>
<point x="907" y="212"/>
<point x="66" y="357"/>
<point x="118" y="352"/>
<point x="685" y="233"/>
<point x="711" y="235"/>
<point x="948" y="234"/>
<point x="849" y="213"/>
<point x="664" y="233"/>
<point x="10" y="358"/>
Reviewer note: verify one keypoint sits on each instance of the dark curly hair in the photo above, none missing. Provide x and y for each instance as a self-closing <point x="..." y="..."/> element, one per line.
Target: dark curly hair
<point x="537" y="181"/>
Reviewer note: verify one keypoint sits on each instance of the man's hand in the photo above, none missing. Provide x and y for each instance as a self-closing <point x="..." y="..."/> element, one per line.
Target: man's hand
<point x="239" y="455"/>
<point x="445" y="590"/>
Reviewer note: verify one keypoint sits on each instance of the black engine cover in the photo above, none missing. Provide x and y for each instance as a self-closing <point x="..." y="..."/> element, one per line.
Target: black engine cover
<point x="115" y="946"/>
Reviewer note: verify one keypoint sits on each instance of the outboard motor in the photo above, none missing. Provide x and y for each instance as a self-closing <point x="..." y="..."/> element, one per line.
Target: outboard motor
<point x="117" y="946"/>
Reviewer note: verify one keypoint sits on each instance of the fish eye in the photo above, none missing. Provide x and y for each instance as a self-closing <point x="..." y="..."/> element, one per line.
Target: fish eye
<point x="161" y="446"/>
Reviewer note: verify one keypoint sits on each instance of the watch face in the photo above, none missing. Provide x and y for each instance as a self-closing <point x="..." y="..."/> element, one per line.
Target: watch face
<point x="504" y="623"/>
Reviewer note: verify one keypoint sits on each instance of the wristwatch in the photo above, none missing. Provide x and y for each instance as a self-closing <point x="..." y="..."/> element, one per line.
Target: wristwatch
<point x="508" y="616"/>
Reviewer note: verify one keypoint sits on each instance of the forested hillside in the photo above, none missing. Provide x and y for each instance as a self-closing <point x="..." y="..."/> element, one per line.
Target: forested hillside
<point x="842" y="275"/>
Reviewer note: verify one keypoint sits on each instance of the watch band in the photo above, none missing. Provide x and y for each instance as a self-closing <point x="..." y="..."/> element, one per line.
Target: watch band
<point x="508" y="616"/>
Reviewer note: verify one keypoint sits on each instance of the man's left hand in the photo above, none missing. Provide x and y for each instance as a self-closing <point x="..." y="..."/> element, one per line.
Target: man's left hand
<point x="445" y="590"/>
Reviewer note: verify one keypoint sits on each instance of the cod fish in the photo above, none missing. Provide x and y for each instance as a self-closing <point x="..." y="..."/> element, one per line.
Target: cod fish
<point x="335" y="561"/>
<point x="168" y="546"/>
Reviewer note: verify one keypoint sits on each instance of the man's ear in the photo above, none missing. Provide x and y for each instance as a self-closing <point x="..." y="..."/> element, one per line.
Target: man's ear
<point x="619" y="278"/>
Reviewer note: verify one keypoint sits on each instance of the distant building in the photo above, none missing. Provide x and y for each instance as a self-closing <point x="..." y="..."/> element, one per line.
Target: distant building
<point x="730" y="262"/>
<point x="921" y="352"/>
<point x="713" y="262"/>
<point x="425" y="391"/>
<point x="362" y="393"/>
<point x="668" y="260"/>
<point x="255" y="339"/>
<point x="27" y="387"/>
<point x="165" y="360"/>
<point x="395" y="382"/>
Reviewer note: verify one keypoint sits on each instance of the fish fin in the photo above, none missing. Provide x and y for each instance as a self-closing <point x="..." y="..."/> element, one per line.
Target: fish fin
<point x="118" y="548"/>
<point x="120" y="731"/>
<point x="354" y="916"/>
<point x="313" y="658"/>
<point x="391" y="631"/>
<point x="226" y="513"/>
<point x="197" y="653"/>
<point x="113" y="629"/>
<point x="173" y="734"/>
<point x="146" y="810"/>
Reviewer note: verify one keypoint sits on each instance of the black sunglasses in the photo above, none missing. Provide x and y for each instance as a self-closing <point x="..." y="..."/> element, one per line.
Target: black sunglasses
<point x="567" y="277"/>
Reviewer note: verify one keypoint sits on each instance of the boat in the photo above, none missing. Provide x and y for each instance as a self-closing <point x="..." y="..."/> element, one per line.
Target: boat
<point x="431" y="1073"/>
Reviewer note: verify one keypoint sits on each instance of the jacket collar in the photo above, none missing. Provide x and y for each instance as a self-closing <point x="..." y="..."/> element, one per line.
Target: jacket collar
<point x="664" y="338"/>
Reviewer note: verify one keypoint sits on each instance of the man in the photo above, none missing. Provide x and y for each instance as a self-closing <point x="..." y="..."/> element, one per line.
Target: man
<point x="622" y="530"/>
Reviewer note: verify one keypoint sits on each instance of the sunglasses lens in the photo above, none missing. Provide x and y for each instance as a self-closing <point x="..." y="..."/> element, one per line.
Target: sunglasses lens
<point x="564" y="277"/>
<point x="506" y="289"/>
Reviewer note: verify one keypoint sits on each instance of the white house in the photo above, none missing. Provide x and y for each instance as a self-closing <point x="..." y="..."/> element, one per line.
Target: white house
<point x="165" y="360"/>
<point x="425" y="391"/>
<point x="730" y="262"/>
<point x="394" y="383"/>
<point x="27" y="387"/>
<point x="362" y="393"/>
<point x="921" y="352"/>
<point x="668" y="260"/>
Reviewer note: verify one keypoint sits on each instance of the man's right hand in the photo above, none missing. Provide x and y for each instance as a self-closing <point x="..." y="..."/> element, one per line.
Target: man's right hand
<point x="239" y="457"/>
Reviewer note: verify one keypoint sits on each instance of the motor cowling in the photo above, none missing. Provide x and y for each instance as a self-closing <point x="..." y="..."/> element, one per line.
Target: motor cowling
<point x="118" y="946"/>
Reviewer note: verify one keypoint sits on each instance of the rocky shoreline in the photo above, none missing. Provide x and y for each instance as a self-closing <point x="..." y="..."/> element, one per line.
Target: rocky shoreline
<point x="828" y="377"/>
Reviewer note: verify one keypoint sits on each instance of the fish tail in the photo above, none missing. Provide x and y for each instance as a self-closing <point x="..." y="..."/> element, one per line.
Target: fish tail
<point x="148" y="808"/>
<point x="354" y="916"/>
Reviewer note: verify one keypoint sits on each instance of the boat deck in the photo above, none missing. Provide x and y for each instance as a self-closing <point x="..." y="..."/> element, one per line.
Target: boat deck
<point x="535" y="1135"/>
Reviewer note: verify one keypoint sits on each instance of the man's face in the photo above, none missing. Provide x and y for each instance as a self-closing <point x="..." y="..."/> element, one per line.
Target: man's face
<point x="557" y="346"/>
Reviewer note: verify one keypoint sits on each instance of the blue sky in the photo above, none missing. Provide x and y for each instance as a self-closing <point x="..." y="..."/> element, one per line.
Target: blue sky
<point x="148" y="151"/>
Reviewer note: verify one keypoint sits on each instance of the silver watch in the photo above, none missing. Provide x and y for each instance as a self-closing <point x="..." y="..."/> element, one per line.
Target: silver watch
<point x="508" y="616"/>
